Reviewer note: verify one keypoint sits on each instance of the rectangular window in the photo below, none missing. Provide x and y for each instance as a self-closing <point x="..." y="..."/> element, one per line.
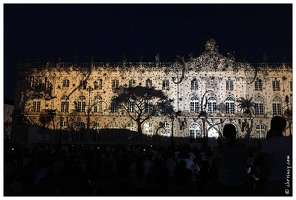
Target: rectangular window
<point x="148" y="107"/>
<point x="291" y="86"/>
<point x="98" y="84"/>
<point x="229" y="107"/>
<point x="115" y="83"/>
<point x="212" y="107"/>
<point x="131" y="83"/>
<point x="65" y="107"/>
<point x="36" y="106"/>
<point x="81" y="106"/>
<point x="229" y="85"/>
<point x="165" y="84"/>
<point x="276" y="109"/>
<point x="82" y="84"/>
<point x="258" y="85"/>
<point x="276" y="85"/>
<point x="66" y="83"/>
<point x="194" y="107"/>
<point x="194" y="85"/>
<point x="98" y="107"/>
<point x="131" y="106"/>
<point x="259" y="109"/>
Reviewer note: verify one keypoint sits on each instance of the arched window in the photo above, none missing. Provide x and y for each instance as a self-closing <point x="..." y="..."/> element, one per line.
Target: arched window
<point x="114" y="105"/>
<point x="213" y="131"/>
<point x="194" y="104"/>
<point x="98" y="104"/>
<point x="194" y="84"/>
<point x="212" y="105"/>
<point x="113" y="124"/>
<point x="259" y="106"/>
<point x="194" y="132"/>
<point x="130" y="126"/>
<point x="277" y="106"/>
<point x="229" y="105"/>
<point x="260" y="131"/>
<point x="80" y="106"/>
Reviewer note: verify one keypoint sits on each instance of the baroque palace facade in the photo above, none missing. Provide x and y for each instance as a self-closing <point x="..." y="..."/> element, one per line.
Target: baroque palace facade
<point x="77" y="98"/>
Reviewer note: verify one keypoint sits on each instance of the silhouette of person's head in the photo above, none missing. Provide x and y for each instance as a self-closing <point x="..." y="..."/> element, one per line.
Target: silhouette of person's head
<point x="278" y="125"/>
<point x="229" y="131"/>
<point x="269" y="134"/>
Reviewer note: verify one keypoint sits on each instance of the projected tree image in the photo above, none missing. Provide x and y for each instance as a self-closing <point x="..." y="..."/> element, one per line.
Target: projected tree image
<point x="141" y="103"/>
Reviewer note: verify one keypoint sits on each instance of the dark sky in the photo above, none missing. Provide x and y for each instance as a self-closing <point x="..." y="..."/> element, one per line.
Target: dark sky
<point x="107" y="32"/>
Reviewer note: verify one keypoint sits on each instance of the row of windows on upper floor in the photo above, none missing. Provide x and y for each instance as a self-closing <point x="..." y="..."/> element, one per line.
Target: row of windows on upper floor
<point x="227" y="107"/>
<point x="98" y="84"/>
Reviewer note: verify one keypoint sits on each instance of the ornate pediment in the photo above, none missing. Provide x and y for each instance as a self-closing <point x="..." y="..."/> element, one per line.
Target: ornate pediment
<point x="211" y="59"/>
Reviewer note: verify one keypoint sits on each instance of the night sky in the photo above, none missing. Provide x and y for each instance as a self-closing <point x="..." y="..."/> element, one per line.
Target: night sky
<point x="108" y="32"/>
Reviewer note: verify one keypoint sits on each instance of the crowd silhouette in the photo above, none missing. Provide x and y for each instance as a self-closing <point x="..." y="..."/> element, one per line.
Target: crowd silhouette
<point x="77" y="170"/>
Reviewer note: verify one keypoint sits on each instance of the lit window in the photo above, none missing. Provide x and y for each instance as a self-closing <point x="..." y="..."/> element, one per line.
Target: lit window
<point x="276" y="85"/>
<point x="194" y="104"/>
<point x="229" y="105"/>
<point x="229" y="85"/>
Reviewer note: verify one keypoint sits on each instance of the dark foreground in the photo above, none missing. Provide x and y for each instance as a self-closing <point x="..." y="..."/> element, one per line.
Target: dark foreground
<point x="113" y="171"/>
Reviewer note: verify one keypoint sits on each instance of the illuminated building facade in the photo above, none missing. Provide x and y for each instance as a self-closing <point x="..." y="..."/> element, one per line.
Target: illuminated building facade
<point x="72" y="102"/>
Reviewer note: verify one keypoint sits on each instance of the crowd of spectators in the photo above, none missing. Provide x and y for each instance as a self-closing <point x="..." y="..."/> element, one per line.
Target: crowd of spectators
<point x="78" y="170"/>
